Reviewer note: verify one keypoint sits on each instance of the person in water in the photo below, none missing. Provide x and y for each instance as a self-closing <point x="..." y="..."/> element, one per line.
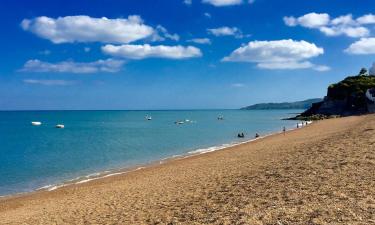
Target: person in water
<point x="256" y="135"/>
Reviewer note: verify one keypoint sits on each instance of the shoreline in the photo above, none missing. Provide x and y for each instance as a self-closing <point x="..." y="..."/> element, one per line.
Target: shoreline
<point x="121" y="171"/>
<point x="322" y="174"/>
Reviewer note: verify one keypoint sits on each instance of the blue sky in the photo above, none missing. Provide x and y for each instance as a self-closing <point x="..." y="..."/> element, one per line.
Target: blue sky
<point x="176" y="54"/>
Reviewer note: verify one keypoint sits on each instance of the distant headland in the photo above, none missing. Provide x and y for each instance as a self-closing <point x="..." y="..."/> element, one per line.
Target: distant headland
<point x="284" y="105"/>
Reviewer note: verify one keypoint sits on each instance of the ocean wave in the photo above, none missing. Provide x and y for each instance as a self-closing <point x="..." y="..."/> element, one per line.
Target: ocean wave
<point x="85" y="179"/>
<point x="211" y="149"/>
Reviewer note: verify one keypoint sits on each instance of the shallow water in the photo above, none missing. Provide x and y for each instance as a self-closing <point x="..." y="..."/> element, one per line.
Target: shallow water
<point x="94" y="141"/>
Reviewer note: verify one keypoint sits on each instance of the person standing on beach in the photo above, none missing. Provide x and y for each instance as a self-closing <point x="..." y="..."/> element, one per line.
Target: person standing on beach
<point x="284" y="130"/>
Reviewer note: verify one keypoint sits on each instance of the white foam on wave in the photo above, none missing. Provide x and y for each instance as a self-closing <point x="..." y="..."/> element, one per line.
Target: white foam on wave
<point x="224" y="146"/>
<point x="81" y="180"/>
<point x="107" y="175"/>
<point x="211" y="149"/>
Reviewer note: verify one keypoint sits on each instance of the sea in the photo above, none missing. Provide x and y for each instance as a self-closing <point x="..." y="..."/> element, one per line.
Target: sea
<point x="101" y="143"/>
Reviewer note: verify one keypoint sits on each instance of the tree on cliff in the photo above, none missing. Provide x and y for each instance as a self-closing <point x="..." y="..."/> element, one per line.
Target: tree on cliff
<point x="363" y="72"/>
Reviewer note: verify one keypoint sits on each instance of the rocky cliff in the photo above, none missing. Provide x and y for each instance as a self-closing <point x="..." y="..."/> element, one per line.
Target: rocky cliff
<point x="345" y="98"/>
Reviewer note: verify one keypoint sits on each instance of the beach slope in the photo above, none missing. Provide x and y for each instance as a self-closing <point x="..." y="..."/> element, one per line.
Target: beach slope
<point x="321" y="174"/>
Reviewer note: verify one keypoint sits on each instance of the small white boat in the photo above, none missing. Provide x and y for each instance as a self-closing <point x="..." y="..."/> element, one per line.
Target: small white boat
<point x="148" y="118"/>
<point x="179" y="122"/>
<point x="220" y="117"/>
<point x="60" y="126"/>
<point x="36" y="123"/>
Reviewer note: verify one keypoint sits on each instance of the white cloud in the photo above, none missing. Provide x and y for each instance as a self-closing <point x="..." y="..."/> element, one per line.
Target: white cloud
<point x="365" y="46"/>
<point x="290" y="21"/>
<point x="148" y="51"/>
<point x="188" y="2"/>
<point x="344" y="20"/>
<point x="354" y="32"/>
<point x="321" y="68"/>
<point x="310" y="20"/>
<point x="342" y="25"/>
<point x="219" y="3"/>
<point x="372" y="69"/>
<point x="366" y="19"/>
<point x="71" y="29"/>
<point x="287" y="65"/>
<point x="108" y="65"/>
<point x="200" y="40"/>
<point x="280" y="54"/>
<point x="161" y="34"/>
<point x="208" y="15"/>
<point x="49" y="82"/>
<point x="226" y="31"/>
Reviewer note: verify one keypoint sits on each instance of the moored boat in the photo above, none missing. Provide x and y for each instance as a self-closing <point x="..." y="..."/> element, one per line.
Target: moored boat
<point x="36" y="123"/>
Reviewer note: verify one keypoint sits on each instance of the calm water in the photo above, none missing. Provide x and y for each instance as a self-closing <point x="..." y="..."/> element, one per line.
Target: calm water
<point x="94" y="141"/>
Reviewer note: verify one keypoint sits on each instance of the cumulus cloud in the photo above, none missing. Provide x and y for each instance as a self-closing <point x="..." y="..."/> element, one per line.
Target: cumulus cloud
<point x="365" y="46"/>
<point x="344" y="20"/>
<point x="220" y="3"/>
<point x="310" y="20"/>
<point x="148" y="51"/>
<point x="108" y="66"/>
<point x="49" y="82"/>
<point x="71" y="29"/>
<point x="354" y="32"/>
<point x="280" y="54"/>
<point x="188" y="2"/>
<point x="342" y="25"/>
<point x="226" y="31"/>
<point x="366" y="19"/>
<point x="200" y="41"/>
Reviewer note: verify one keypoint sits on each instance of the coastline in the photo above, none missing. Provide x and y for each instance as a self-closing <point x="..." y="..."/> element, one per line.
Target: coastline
<point x="124" y="170"/>
<point x="314" y="174"/>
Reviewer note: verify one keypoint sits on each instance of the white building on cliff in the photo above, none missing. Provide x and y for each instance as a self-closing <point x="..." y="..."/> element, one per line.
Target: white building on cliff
<point x="370" y="95"/>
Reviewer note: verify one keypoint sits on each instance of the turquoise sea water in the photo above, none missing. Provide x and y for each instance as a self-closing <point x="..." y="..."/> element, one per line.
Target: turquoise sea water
<point x="93" y="141"/>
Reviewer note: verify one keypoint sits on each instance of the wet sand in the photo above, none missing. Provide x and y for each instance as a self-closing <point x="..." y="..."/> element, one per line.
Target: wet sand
<point x="321" y="174"/>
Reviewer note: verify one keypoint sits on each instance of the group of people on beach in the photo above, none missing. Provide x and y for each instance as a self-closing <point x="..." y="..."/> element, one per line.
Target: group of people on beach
<point x="302" y="124"/>
<point x="242" y="135"/>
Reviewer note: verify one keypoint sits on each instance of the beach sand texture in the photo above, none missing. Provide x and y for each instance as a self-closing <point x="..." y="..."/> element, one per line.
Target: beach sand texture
<point x="321" y="174"/>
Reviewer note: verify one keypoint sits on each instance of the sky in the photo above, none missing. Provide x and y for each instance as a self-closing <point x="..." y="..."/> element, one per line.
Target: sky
<point x="178" y="54"/>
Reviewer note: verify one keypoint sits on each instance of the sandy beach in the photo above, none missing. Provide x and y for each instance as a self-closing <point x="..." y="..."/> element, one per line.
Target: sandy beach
<point x="321" y="174"/>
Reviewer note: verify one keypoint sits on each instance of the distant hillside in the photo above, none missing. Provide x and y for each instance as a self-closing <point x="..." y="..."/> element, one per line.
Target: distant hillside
<point x="284" y="105"/>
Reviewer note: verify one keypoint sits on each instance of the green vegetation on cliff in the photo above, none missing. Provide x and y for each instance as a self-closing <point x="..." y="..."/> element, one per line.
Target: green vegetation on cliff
<point x="350" y="86"/>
